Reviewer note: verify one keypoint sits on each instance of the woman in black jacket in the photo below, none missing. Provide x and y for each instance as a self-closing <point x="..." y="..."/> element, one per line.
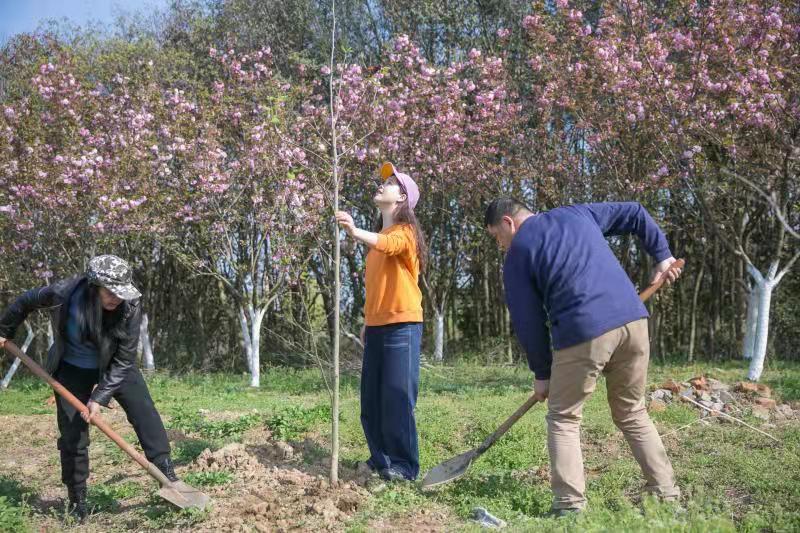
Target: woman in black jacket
<point x="96" y="319"/>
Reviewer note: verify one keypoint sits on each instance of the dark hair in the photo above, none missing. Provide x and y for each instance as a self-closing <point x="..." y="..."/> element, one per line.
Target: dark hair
<point x="405" y="215"/>
<point x="503" y="207"/>
<point x="97" y="325"/>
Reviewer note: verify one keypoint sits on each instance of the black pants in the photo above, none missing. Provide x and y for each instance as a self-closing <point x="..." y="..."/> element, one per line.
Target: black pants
<point x="135" y="400"/>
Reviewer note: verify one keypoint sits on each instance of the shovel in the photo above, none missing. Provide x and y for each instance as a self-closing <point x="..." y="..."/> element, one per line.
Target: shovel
<point x="177" y="493"/>
<point x="456" y="467"/>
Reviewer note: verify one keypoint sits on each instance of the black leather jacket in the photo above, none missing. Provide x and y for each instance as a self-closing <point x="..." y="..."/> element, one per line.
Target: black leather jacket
<point x="115" y="362"/>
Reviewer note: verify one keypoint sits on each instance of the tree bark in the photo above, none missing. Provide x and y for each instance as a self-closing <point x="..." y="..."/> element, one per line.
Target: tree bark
<point x="16" y="363"/>
<point x="693" y="318"/>
<point x="148" y="362"/>
<point x="438" y="336"/>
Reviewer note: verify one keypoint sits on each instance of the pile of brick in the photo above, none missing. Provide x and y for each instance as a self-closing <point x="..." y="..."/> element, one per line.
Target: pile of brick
<point x="712" y="397"/>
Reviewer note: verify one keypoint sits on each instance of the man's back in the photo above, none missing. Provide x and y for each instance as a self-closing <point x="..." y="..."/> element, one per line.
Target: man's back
<point x="563" y="257"/>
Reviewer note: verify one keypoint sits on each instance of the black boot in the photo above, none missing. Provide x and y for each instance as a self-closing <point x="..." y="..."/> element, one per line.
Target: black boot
<point x="167" y="468"/>
<point x="77" y="502"/>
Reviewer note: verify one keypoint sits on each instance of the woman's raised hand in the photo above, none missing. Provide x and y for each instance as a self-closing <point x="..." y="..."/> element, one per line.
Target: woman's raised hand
<point x="346" y="222"/>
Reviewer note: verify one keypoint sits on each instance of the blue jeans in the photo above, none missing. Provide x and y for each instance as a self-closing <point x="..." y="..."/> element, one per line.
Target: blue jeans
<point x="389" y="387"/>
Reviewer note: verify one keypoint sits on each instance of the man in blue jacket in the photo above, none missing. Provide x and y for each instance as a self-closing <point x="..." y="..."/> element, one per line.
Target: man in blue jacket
<point x="563" y="282"/>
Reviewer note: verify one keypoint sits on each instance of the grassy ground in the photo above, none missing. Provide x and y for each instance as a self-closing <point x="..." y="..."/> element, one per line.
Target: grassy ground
<point x="731" y="477"/>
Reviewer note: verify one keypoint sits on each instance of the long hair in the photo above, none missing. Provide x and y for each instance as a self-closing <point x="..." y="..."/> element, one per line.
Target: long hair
<point x="403" y="214"/>
<point x="96" y="325"/>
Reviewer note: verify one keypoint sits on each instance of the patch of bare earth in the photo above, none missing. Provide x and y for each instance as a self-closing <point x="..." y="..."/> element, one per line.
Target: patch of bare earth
<point x="277" y="486"/>
<point x="275" y="490"/>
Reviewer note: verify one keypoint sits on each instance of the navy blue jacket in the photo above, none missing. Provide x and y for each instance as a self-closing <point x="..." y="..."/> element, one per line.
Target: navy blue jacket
<point x="560" y="269"/>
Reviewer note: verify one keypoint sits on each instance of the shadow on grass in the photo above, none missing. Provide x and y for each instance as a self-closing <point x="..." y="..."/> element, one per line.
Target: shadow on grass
<point x="14" y="491"/>
<point x="186" y="451"/>
<point x="20" y="495"/>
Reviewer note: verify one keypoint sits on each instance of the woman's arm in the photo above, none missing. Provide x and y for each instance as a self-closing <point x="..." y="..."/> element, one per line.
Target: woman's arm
<point x="346" y="221"/>
<point x="391" y="243"/>
<point x="122" y="361"/>
<point x="24" y="305"/>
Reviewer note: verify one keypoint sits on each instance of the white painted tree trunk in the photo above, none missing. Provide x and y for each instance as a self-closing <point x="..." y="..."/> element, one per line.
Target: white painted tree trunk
<point x="247" y="346"/>
<point x="250" y="320"/>
<point x="15" y="365"/>
<point x="438" y="345"/>
<point x="764" y="286"/>
<point x="50" y="338"/>
<point x="751" y="322"/>
<point x="148" y="361"/>
<point x="762" y="330"/>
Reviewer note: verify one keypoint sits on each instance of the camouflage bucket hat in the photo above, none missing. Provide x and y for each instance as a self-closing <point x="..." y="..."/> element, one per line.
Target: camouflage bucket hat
<point x="114" y="274"/>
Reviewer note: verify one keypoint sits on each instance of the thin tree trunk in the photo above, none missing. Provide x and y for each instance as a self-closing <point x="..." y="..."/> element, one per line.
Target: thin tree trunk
<point x="438" y="335"/>
<point x="17" y="361"/>
<point x="485" y="303"/>
<point x="337" y="283"/>
<point x="507" y="331"/>
<point x="693" y="319"/>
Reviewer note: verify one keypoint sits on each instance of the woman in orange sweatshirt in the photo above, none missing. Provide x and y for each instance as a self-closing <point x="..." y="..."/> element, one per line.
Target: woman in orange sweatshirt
<point x="392" y="332"/>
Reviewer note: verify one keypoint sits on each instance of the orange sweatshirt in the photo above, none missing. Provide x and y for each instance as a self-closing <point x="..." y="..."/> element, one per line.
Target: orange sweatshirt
<point x="392" y="277"/>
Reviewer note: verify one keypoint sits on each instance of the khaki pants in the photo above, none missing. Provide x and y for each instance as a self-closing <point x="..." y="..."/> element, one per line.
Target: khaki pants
<point x="622" y="356"/>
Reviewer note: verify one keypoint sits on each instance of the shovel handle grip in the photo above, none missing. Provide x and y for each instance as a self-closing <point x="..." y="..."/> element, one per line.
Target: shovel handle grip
<point x="651" y="290"/>
<point x="98" y="421"/>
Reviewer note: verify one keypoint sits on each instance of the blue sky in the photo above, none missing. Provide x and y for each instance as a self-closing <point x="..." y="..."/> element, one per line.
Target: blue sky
<point x="17" y="16"/>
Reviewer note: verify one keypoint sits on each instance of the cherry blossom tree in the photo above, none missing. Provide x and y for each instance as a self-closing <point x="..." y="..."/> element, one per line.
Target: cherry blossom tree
<point x="694" y="98"/>
<point x="243" y="210"/>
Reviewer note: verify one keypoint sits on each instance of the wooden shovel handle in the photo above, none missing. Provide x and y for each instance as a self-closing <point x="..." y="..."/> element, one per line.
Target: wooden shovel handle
<point x="651" y="290"/>
<point x="97" y="420"/>
<point x="524" y="408"/>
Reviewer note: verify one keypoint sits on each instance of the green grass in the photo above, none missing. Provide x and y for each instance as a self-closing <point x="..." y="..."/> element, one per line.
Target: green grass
<point x="15" y="512"/>
<point x="732" y="478"/>
<point x="159" y="515"/>
<point x="186" y="451"/>
<point x="196" y="424"/>
<point x="208" y="479"/>
<point x="294" y="422"/>
<point x="13" y="518"/>
<point x="105" y="497"/>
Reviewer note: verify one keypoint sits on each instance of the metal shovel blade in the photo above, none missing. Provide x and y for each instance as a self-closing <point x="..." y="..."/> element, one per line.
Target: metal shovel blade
<point x="183" y="496"/>
<point x="449" y="470"/>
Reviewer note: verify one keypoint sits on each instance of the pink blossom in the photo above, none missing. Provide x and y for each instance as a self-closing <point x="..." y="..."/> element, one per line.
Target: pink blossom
<point x="530" y="22"/>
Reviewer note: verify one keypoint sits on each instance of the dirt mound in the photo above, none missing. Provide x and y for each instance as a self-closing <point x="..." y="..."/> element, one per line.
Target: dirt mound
<point x="272" y="494"/>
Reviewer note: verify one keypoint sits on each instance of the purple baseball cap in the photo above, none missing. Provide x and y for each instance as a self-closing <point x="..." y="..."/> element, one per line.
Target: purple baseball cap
<point x="388" y="170"/>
